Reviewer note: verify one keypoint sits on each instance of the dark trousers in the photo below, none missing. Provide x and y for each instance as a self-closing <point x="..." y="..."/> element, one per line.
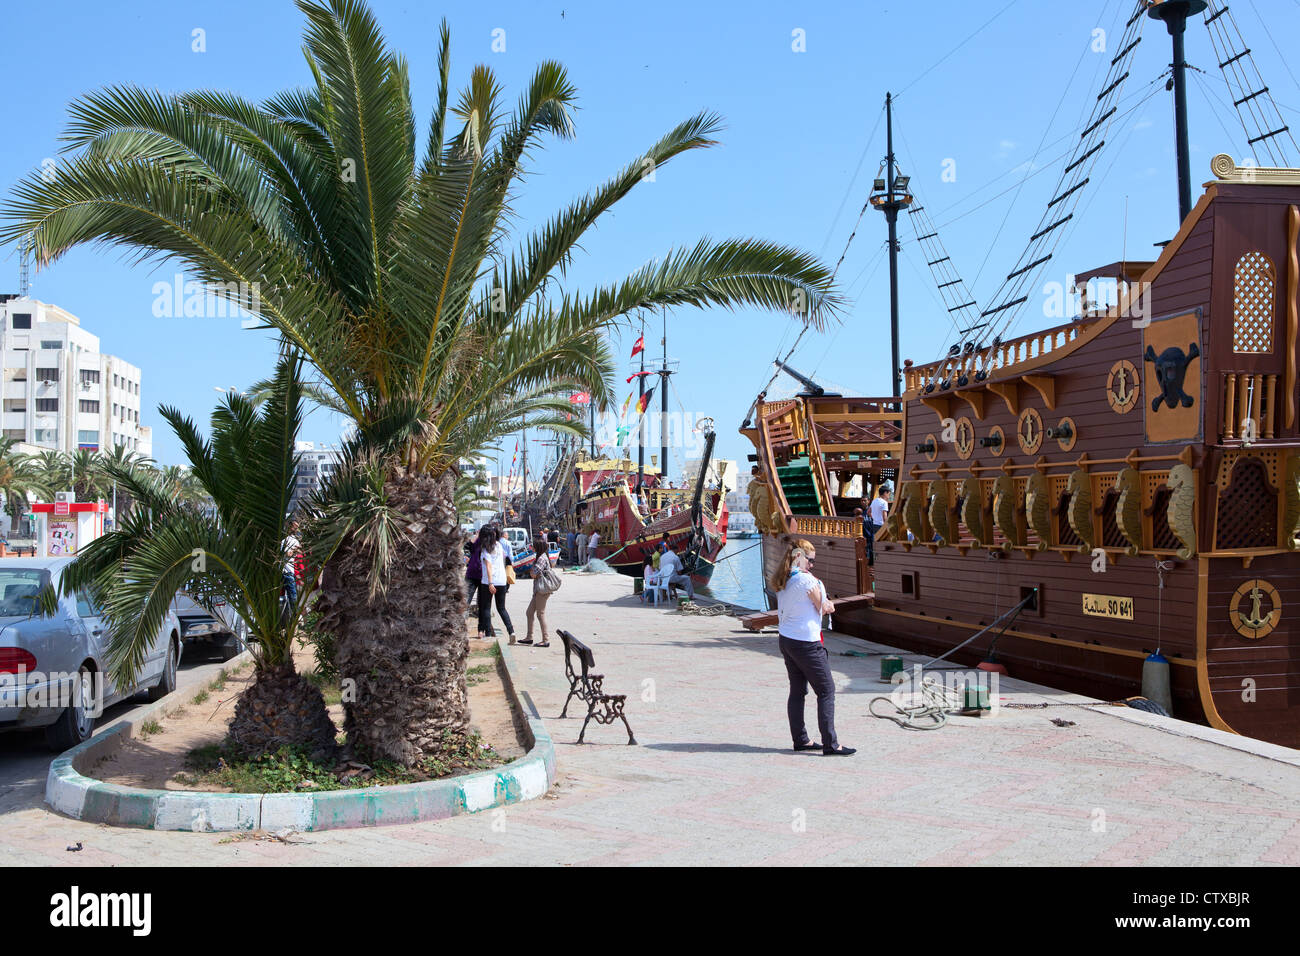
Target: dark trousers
<point x="869" y="532"/>
<point x="471" y="590"/>
<point x="807" y="662"/>
<point x="485" y="609"/>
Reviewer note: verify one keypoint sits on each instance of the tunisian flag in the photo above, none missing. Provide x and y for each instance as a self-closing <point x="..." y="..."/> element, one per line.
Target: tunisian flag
<point x="638" y="347"/>
<point x="580" y="398"/>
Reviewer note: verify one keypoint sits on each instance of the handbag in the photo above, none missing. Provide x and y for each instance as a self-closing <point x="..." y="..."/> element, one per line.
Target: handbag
<point x="548" y="582"/>
<point x="510" y="574"/>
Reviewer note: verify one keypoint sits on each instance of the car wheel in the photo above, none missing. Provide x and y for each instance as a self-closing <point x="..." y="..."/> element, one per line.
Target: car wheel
<point x="75" y="724"/>
<point x="232" y="648"/>
<point x="167" y="681"/>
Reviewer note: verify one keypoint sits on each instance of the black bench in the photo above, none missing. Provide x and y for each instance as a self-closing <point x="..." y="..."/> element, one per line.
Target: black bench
<point x="586" y="686"/>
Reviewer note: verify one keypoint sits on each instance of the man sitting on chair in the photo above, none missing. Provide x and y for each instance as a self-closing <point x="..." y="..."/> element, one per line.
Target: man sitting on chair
<point x="670" y="571"/>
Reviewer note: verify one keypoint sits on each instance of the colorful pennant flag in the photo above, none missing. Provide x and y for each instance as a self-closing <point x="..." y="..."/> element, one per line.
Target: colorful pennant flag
<point x="644" y="401"/>
<point x="635" y="375"/>
<point x="626" y="402"/>
<point x="639" y="346"/>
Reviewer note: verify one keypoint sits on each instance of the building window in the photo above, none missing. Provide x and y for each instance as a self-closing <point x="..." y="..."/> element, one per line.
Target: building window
<point x="51" y="344"/>
<point x="1252" y="304"/>
<point x="17" y="434"/>
<point x="47" y="435"/>
<point x="88" y="438"/>
<point x="115" y="408"/>
<point x="47" y="374"/>
<point x="22" y="320"/>
<point x="89" y="376"/>
<point x="47" y="404"/>
<point x="89" y="405"/>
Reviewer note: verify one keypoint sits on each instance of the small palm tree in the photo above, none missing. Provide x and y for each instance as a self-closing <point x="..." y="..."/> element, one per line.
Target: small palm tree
<point x="21" y="476"/>
<point x="55" y="471"/>
<point x="122" y="458"/>
<point x="88" y="478"/>
<point x="247" y="467"/>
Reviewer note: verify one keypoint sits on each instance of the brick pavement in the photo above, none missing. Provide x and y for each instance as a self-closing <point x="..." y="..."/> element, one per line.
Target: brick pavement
<point x="714" y="781"/>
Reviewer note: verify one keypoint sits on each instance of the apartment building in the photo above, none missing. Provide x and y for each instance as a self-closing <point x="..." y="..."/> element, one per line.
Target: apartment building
<point x="316" y="462"/>
<point x="59" y="390"/>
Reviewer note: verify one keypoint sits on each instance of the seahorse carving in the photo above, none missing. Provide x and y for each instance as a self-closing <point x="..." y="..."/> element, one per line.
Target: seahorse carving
<point x="1291" y="519"/>
<point x="1079" y="486"/>
<point x="972" y="510"/>
<point x="913" y="495"/>
<point x="1038" y="509"/>
<point x="1181" y="510"/>
<point x="940" y="516"/>
<point x="894" y="525"/>
<point x="1128" y="509"/>
<point x="1004" y="509"/>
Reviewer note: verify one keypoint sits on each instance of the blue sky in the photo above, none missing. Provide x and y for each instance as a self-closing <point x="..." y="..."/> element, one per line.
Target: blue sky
<point x="980" y="86"/>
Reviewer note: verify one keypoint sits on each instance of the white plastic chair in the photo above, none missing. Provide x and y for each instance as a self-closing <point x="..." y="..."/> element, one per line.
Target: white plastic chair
<point x="655" y="588"/>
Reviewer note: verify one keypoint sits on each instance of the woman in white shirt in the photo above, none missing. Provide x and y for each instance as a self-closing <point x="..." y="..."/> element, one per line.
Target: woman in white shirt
<point x="493" y="586"/>
<point x="801" y="602"/>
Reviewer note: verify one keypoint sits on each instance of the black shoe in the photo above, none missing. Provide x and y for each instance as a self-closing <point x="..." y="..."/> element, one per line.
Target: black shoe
<point x="810" y="745"/>
<point x="842" y="752"/>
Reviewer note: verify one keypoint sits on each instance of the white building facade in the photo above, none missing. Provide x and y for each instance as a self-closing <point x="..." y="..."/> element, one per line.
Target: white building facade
<point x="317" y="461"/>
<point x="60" y="391"/>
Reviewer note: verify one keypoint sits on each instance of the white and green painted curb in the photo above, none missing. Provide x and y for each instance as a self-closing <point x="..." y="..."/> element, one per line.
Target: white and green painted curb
<point x="70" y="792"/>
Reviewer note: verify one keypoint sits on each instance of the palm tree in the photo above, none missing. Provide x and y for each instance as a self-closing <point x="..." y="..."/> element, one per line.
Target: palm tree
<point x="20" y="476"/>
<point x="399" y="275"/>
<point x="182" y="484"/>
<point x="237" y="554"/>
<point x="88" y="481"/>
<point x="54" y="470"/>
<point x="122" y="458"/>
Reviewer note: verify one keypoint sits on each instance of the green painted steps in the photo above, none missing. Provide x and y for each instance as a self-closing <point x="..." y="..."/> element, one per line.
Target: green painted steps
<point x="797" y="483"/>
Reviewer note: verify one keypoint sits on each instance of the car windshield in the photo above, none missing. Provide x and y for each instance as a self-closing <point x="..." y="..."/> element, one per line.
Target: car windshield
<point x="18" y="587"/>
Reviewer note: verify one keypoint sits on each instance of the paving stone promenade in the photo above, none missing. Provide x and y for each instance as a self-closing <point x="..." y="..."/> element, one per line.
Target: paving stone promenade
<point x="714" y="781"/>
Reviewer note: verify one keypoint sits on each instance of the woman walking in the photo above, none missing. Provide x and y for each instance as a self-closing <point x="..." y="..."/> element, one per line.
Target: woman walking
<point x="493" y="586"/>
<point x="537" y="606"/>
<point x="474" y="573"/>
<point x="801" y="602"/>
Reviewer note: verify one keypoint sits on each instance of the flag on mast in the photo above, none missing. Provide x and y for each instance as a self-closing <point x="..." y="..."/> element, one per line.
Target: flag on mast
<point x="644" y="401"/>
<point x="639" y="346"/>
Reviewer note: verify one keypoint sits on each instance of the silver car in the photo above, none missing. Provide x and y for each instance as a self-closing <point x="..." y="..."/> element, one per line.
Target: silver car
<point x="53" y="670"/>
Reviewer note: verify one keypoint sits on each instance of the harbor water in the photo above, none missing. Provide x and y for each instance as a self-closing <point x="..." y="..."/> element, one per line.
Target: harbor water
<point x="737" y="578"/>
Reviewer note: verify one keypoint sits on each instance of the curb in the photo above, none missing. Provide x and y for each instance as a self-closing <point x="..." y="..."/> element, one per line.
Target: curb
<point x="93" y="801"/>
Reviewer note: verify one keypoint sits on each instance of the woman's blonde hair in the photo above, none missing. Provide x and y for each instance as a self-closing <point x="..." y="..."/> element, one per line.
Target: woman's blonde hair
<point x="782" y="573"/>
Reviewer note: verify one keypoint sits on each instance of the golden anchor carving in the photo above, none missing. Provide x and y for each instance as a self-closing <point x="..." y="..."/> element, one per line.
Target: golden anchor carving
<point x="1255" y="623"/>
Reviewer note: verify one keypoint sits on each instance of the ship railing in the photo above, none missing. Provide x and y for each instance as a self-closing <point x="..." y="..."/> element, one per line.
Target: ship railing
<point x="998" y="360"/>
<point x="824" y="527"/>
<point x="1249" y="406"/>
<point x="856" y="426"/>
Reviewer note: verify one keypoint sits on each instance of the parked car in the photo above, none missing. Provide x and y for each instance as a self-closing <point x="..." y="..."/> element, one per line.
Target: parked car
<point x="53" y="670"/>
<point x="522" y="548"/>
<point x="224" y="632"/>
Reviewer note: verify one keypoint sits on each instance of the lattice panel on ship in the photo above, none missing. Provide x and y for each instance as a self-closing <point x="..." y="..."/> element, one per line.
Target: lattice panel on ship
<point x="1247" y="509"/>
<point x="1252" y="304"/>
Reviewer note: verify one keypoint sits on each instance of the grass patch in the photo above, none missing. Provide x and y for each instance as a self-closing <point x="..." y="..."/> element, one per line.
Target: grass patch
<point x="218" y="683"/>
<point x="150" y="727"/>
<point x="293" y="770"/>
<point x="493" y="651"/>
<point x="478" y="674"/>
<point x="329" y="688"/>
<point x="200" y="697"/>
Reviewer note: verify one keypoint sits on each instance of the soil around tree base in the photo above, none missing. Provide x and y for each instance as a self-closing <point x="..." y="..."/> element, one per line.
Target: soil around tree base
<point x="153" y="761"/>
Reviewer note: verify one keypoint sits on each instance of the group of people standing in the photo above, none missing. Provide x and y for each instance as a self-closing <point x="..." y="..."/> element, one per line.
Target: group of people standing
<point x="489" y="573"/>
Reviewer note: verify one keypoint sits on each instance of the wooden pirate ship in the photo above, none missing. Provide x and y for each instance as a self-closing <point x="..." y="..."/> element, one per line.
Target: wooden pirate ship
<point x="599" y="495"/>
<point x="1125" y="483"/>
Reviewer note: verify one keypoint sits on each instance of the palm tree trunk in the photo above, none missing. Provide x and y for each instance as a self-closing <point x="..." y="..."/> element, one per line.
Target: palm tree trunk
<point x="405" y="649"/>
<point x="281" y="708"/>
